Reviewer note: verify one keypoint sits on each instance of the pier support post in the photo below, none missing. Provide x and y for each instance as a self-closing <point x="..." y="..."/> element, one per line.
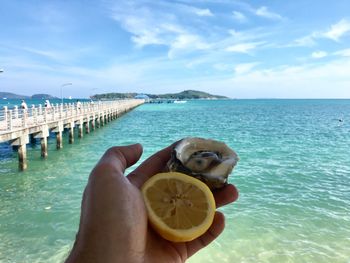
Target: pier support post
<point x="58" y="130"/>
<point x="22" y="150"/>
<point x="43" y="143"/>
<point x="93" y="123"/>
<point x="79" y="123"/>
<point x="80" y="131"/>
<point x="43" y="134"/>
<point x="70" y="127"/>
<point x="98" y="122"/>
<point x="22" y="157"/>
<point x="71" y="135"/>
<point x="59" y="144"/>
<point x="87" y="127"/>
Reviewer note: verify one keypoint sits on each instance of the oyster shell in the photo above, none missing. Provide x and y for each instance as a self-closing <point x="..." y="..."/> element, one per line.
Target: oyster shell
<point x="208" y="160"/>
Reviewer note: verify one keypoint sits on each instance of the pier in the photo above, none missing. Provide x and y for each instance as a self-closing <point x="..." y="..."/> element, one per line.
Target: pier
<point x="19" y="126"/>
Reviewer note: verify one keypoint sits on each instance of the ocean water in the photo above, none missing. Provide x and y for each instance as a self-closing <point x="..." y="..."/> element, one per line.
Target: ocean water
<point x="293" y="177"/>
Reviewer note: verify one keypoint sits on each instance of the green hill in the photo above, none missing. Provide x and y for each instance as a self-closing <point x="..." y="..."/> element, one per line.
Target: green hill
<point x="190" y="94"/>
<point x="187" y="94"/>
<point x="43" y="96"/>
<point x="10" y="95"/>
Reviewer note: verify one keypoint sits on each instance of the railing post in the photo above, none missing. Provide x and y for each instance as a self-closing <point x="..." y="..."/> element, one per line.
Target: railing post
<point x="5" y="115"/>
<point x="32" y="109"/>
<point x="35" y="115"/>
<point x="61" y="110"/>
<point x="24" y="118"/>
<point x="15" y="112"/>
<point x="9" y="123"/>
<point x="45" y="115"/>
<point x="53" y="112"/>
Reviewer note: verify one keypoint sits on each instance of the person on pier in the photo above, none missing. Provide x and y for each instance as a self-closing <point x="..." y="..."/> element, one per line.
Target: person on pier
<point x="47" y="104"/>
<point x="78" y="104"/>
<point x="24" y="105"/>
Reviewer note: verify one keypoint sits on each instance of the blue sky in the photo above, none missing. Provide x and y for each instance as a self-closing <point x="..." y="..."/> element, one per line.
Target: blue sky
<point x="260" y="49"/>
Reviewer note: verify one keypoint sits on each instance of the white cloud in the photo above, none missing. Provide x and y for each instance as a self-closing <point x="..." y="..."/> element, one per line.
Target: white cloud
<point x="203" y="12"/>
<point x="319" y="54"/>
<point x="240" y="17"/>
<point x="307" y="41"/>
<point x="343" y="52"/>
<point x="337" y="30"/>
<point x="243" y="47"/>
<point x="237" y="35"/>
<point x="186" y="43"/>
<point x="326" y="80"/>
<point x="158" y="27"/>
<point x="309" y="80"/>
<point x="264" y="12"/>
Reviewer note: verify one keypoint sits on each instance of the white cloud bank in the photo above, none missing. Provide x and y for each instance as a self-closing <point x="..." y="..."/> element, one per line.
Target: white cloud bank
<point x="335" y="32"/>
<point x="264" y="12"/>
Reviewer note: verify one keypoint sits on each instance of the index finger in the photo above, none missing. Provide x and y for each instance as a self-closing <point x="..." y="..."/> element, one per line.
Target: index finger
<point x="153" y="165"/>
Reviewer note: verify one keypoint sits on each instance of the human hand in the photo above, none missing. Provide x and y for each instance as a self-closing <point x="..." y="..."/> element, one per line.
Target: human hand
<point x="113" y="224"/>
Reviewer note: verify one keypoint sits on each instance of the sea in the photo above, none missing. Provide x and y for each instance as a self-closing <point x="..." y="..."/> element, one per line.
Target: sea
<point x="293" y="177"/>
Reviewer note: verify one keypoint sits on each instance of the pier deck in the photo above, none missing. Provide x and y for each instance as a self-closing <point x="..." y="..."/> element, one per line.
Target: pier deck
<point x="17" y="126"/>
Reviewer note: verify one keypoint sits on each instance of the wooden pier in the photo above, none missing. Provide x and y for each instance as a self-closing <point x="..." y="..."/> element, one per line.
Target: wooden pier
<point x="17" y="126"/>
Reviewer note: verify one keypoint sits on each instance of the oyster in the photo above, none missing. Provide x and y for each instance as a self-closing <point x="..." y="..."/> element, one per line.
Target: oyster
<point x="208" y="160"/>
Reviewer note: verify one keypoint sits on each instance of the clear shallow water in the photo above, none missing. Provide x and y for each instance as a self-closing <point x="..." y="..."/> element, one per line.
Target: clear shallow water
<point x="293" y="177"/>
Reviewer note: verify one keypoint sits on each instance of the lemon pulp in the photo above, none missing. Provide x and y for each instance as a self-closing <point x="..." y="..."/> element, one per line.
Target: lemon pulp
<point x="180" y="207"/>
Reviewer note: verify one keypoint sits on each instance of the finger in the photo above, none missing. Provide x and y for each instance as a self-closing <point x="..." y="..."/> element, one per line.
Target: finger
<point x="119" y="158"/>
<point x="225" y="195"/>
<point x="213" y="232"/>
<point x="153" y="165"/>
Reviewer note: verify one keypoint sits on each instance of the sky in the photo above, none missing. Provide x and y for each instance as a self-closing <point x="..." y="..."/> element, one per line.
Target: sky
<point x="240" y="49"/>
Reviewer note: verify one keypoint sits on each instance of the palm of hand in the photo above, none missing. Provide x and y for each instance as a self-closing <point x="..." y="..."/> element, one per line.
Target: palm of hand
<point x="113" y="226"/>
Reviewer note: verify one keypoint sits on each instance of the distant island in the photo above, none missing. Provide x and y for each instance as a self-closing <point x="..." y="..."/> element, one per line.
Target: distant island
<point x="187" y="94"/>
<point x="184" y="95"/>
<point x="9" y="95"/>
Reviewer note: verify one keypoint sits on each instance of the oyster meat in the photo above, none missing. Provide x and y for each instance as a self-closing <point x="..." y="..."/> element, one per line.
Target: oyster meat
<point x="208" y="160"/>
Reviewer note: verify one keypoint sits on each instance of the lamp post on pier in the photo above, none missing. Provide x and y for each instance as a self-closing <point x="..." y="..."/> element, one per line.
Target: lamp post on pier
<point x="63" y="85"/>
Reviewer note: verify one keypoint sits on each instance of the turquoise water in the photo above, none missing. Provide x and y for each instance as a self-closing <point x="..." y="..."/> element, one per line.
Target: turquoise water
<point x="293" y="177"/>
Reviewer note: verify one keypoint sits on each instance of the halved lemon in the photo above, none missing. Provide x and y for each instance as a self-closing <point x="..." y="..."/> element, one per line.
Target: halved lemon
<point x="180" y="208"/>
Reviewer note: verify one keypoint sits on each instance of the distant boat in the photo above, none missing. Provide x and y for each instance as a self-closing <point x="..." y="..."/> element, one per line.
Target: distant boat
<point x="4" y="98"/>
<point x="180" y="101"/>
<point x="70" y="97"/>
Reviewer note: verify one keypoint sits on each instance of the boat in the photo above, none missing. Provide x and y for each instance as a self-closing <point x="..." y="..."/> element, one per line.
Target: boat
<point x="180" y="101"/>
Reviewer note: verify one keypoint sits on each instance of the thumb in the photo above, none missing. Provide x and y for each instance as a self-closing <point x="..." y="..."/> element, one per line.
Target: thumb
<point x="121" y="157"/>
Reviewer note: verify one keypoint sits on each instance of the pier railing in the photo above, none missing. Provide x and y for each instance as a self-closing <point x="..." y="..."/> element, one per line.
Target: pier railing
<point x="16" y="119"/>
<point x="19" y="126"/>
